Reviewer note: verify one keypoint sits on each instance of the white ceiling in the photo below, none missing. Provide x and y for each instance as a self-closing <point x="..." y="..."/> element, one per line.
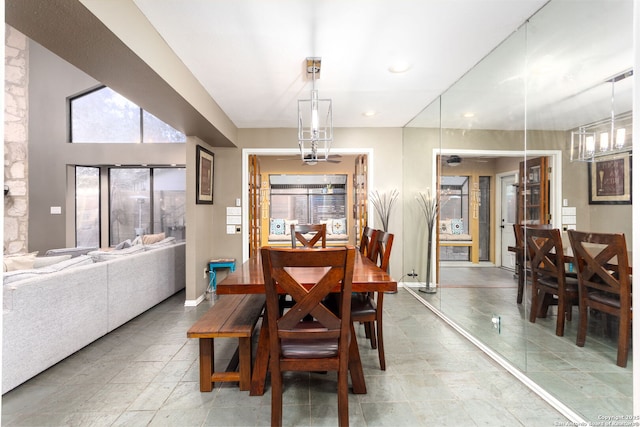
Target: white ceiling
<point x="249" y="54"/>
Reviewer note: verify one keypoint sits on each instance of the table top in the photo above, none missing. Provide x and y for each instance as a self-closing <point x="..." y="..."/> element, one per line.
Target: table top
<point x="249" y="279"/>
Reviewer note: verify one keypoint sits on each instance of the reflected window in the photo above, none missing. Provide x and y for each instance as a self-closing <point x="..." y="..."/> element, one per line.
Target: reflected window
<point x="454" y="212"/>
<point x="104" y="116"/>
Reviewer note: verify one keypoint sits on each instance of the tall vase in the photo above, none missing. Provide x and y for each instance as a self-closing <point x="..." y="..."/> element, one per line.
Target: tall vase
<point x="428" y="288"/>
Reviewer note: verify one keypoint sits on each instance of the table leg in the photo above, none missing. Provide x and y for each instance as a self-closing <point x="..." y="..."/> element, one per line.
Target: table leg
<point x="206" y="363"/>
<point x="355" y="365"/>
<point x="261" y="364"/>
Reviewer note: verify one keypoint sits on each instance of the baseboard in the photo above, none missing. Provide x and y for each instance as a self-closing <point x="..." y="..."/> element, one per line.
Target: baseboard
<point x="194" y="302"/>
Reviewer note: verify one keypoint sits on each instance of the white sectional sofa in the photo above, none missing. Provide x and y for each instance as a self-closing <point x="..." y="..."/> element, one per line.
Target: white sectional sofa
<point x="47" y="317"/>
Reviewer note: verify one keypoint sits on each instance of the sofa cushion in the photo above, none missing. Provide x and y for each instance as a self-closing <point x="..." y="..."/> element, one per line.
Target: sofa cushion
<point x="45" y="261"/>
<point x="74" y="252"/>
<point x="99" y="256"/>
<point x="18" y="261"/>
<point x="15" y="276"/>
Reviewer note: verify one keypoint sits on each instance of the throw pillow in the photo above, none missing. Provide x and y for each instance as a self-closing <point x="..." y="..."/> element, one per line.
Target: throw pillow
<point x="339" y="226"/>
<point x="277" y="226"/>
<point x="445" y="226"/>
<point x="287" y="225"/>
<point x="329" y="223"/>
<point x="148" y="239"/>
<point x="457" y="226"/>
<point x="125" y="244"/>
<point x="19" y="261"/>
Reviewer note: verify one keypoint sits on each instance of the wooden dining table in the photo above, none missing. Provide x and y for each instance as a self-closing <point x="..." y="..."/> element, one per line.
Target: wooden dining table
<point x="248" y="279"/>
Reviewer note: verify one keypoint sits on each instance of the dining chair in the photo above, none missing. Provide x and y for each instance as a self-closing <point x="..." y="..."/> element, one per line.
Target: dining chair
<point x="367" y="241"/>
<point x="523" y="267"/>
<point x="604" y="283"/>
<point x="548" y="277"/>
<point x="366" y="308"/>
<point x="296" y="344"/>
<point x="298" y="232"/>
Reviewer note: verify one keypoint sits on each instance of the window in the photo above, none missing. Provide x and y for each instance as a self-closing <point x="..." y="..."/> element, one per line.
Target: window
<point x="454" y="205"/>
<point x="146" y="201"/>
<point x="308" y="198"/>
<point x="87" y="207"/>
<point x="103" y="115"/>
<point x="141" y="201"/>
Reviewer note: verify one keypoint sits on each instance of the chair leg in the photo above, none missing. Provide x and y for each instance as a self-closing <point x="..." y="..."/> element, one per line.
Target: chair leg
<point x="561" y="316"/>
<point x="343" y="394"/>
<point x="276" y="397"/>
<point x="623" y="341"/>
<point x="372" y="334"/>
<point x="582" y="324"/>
<point x="378" y="326"/>
<point x="534" y="304"/>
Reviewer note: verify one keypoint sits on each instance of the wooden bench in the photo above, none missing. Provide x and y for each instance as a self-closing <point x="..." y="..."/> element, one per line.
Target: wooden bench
<point x="232" y="316"/>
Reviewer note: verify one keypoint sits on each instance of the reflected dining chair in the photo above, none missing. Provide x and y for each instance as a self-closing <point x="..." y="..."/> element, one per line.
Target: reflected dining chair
<point x="604" y="283"/>
<point x="523" y="266"/>
<point x="296" y="344"/>
<point x="366" y="308"/>
<point x="367" y="241"/>
<point x="298" y="232"/>
<point x="548" y="277"/>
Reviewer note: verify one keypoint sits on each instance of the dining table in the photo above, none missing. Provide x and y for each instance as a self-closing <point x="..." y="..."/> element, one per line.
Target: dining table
<point x="248" y="279"/>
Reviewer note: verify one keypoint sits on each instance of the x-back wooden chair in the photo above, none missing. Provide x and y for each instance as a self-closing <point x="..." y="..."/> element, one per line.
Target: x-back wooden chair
<point x="298" y="232"/>
<point x="297" y="344"/>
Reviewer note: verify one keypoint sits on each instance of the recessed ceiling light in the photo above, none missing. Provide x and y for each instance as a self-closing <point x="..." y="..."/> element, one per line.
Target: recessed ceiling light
<point x="468" y="115"/>
<point x="399" y="67"/>
<point x="369" y="113"/>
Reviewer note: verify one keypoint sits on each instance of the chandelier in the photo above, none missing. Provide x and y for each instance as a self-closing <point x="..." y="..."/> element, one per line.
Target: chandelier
<point x="315" y="120"/>
<point x="612" y="135"/>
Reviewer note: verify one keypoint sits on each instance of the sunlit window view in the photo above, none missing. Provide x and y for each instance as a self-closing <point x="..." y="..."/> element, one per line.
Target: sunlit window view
<point x="104" y="116"/>
<point x="146" y="201"/>
<point x="87" y="207"/>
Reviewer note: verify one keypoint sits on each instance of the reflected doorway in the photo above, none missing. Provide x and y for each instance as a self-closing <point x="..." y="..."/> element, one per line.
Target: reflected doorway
<point x="508" y="198"/>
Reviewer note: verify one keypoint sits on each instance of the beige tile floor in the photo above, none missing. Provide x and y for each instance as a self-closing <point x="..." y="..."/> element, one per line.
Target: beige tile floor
<point x="146" y="373"/>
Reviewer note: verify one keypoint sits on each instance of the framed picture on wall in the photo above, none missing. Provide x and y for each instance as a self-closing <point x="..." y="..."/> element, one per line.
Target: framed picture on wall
<point x="610" y="180"/>
<point x="204" y="176"/>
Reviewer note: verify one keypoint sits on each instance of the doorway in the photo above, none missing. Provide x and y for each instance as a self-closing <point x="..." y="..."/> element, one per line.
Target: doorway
<point x="508" y="206"/>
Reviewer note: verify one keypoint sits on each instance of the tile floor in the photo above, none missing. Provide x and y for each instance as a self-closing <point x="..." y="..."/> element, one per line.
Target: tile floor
<point x="586" y="379"/>
<point x="146" y="373"/>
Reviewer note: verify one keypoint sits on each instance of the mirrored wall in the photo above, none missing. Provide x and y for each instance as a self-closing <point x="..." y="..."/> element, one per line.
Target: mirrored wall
<point x="506" y="128"/>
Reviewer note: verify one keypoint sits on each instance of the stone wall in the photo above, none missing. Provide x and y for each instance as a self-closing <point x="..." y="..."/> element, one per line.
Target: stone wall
<point x="16" y="126"/>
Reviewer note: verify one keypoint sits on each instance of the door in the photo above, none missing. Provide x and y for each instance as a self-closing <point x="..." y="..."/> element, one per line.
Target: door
<point x="508" y="218"/>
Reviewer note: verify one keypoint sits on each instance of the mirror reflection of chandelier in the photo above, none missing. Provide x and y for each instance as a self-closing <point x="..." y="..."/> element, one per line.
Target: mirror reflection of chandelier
<point x="315" y="120"/>
<point x="609" y="136"/>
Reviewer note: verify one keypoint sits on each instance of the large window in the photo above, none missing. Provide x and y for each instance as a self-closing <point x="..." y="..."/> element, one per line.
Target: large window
<point x="87" y="207"/>
<point x="103" y="115"/>
<point x="141" y="200"/>
<point x="146" y="201"/>
<point x="308" y="198"/>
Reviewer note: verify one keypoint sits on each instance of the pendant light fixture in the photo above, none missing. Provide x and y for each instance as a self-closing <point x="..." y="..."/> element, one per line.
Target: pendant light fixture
<point x="315" y="120"/>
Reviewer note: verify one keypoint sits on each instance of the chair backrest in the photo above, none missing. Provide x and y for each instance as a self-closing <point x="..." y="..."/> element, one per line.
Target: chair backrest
<point x="299" y="230"/>
<point x="545" y="252"/>
<point x="518" y="231"/>
<point x="381" y="251"/>
<point x="308" y="276"/>
<point x="367" y="240"/>
<point x="602" y="263"/>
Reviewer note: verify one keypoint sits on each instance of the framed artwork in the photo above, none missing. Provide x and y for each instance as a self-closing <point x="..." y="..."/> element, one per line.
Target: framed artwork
<point x="204" y="176"/>
<point x="610" y="180"/>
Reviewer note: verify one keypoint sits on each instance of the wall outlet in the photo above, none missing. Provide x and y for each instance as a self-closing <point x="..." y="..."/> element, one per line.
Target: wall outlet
<point x="206" y="271"/>
<point x="413" y="273"/>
